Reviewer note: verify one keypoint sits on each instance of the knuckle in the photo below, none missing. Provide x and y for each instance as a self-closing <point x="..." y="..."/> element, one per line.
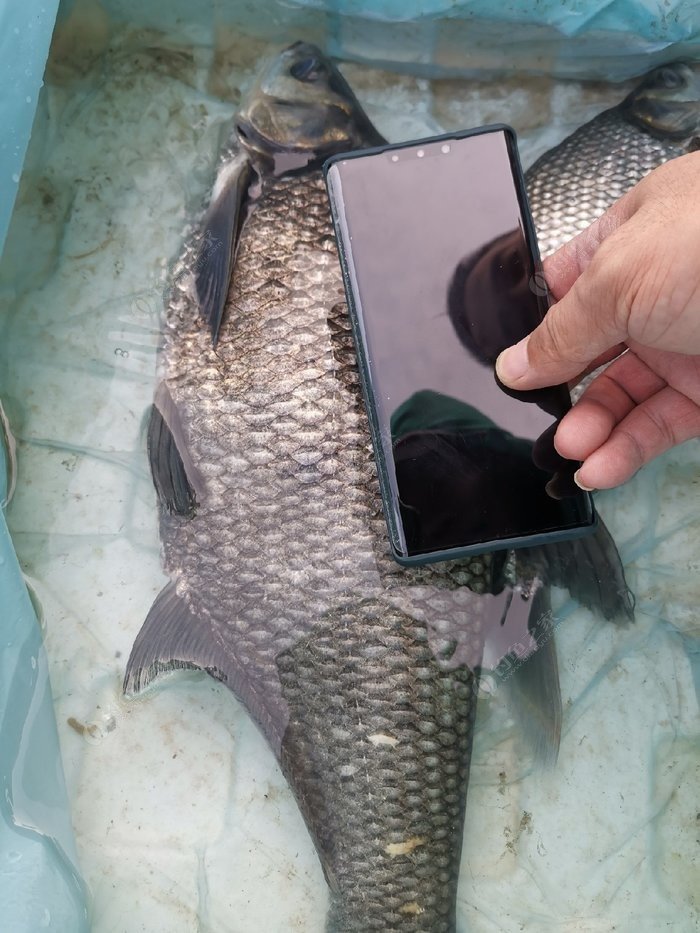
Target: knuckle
<point x="634" y="452"/>
<point x="659" y="432"/>
<point x="664" y="430"/>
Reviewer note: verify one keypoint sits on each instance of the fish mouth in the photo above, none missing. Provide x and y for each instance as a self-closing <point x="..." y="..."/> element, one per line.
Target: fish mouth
<point x="253" y="139"/>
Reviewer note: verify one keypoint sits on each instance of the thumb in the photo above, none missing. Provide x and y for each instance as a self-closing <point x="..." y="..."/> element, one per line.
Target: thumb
<point x="563" y="267"/>
<point x="580" y="326"/>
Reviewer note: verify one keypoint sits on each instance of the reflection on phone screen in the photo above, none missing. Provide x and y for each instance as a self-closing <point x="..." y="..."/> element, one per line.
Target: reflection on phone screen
<point x="444" y="279"/>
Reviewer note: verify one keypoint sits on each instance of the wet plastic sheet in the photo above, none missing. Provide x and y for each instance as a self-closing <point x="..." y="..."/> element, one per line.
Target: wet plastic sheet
<point x="183" y="819"/>
<point x="611" y="39"/>
<point x="100" y="219"/>
<point x="40" y="885"/>
<point x="25" y="34"/>
<point x="608" y="38"/>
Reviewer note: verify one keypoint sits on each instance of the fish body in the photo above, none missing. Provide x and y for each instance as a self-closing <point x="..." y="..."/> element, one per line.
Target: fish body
<point x="361" y="674"/>
<point x="572" y="184"/>
<point x="284" y="571"/>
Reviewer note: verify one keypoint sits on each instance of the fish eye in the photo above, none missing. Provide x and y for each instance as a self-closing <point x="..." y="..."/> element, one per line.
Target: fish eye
<point x="670" y="78"/>
<point x="308" y="69"/>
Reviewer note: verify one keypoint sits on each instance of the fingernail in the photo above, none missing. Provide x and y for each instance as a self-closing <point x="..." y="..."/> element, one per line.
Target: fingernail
<point x="512" y="363"/>
<point x="581" y="485"/>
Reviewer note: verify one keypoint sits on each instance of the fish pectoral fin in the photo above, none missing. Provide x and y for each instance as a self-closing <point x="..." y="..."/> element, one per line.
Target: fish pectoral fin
<point x="175" y="477"/>
<point x="171" y="638"/>
<point x="220" y="233"/>
<point x="533" y="681"/>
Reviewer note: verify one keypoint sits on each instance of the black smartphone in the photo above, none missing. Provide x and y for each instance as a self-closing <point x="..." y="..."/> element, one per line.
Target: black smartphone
<point x="442" y="272"/>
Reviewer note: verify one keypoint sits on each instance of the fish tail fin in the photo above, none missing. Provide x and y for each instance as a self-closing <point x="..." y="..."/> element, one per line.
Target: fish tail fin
<point x="172" y="638"/>
<point x="533" y="680"/>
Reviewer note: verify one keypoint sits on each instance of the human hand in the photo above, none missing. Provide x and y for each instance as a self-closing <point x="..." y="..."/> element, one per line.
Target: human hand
<point x="630" y="282"/>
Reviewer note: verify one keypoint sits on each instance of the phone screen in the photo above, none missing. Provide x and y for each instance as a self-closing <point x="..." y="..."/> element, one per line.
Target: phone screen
<point x="441" y="276"/>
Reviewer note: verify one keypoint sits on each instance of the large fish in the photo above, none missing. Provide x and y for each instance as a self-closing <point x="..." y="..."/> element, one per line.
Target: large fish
<point x="361" y="674"/>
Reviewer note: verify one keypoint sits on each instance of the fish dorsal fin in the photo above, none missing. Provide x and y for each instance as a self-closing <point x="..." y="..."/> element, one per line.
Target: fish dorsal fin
<point x="220" y="233"/>
<point x="178" y="483"/>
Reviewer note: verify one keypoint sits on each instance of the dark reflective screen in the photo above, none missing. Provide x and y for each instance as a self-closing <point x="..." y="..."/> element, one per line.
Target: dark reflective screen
<point x="443" y="280"/>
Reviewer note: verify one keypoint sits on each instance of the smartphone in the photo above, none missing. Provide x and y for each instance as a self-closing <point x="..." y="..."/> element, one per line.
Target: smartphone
<point x="442" y="272"/>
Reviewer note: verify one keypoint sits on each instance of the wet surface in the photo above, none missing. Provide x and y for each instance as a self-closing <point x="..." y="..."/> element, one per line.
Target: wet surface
<point x="180" y="811"/>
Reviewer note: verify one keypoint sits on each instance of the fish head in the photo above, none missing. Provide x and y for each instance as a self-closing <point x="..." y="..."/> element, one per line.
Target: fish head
<point x="300" y="111"/>
<point x="667" y="102"/>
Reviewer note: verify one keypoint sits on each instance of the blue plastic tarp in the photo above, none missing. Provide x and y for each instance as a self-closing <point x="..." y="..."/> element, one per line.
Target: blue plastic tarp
<point x="40" y="885"/>
<point x="25" y="35"/>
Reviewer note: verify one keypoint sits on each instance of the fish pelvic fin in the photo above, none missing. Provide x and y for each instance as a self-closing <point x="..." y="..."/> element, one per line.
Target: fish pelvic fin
<point x="220" y="234"/>
<point x="172" y="638"/>
<point x="176" y="637"/>
<point x="178" y="483"/>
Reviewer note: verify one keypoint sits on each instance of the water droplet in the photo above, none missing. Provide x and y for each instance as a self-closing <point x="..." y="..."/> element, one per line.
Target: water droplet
<point x="33" y="664"/>
<point x="13" y="855"/>
<point x="28" y="99"/>
<point x="15" y="178"/>
<point x="16" y="30"/>
<point x="45" y="918"/>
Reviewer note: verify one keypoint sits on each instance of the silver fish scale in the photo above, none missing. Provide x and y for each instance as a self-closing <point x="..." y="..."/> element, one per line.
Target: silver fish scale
<point x="358" y="671"/>
<point x="573" y="184"/>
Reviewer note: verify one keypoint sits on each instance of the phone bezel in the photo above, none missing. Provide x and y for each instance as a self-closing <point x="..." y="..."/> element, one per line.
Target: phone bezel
<point x="430" y="557"/>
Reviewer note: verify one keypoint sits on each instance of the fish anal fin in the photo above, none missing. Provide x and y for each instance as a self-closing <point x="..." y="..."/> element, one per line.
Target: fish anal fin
<point x="533" y="679"/>
<point x="220" y="233"/>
